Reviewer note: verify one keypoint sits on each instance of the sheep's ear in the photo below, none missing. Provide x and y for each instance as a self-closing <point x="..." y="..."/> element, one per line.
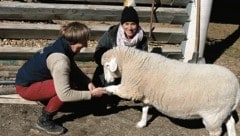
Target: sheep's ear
<point x="113" y="65"/>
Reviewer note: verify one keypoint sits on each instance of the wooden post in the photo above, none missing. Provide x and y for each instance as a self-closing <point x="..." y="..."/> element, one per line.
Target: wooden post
<point x="151" y="20"/>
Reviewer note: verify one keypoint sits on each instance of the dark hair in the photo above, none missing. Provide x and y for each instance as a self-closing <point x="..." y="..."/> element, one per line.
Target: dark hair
<point x="129" y="14"/>
<point x="75" y="32"/>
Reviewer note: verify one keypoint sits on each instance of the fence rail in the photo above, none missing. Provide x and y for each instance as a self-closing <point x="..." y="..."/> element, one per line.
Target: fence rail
<point x="163" y="33"/>
<point x="44" y="11"/>
<point x="181" y="3"/>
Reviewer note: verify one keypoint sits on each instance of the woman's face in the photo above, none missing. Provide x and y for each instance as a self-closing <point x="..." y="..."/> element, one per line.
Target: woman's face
<point x="78" y="46"/>
<point x="130" y="29"/>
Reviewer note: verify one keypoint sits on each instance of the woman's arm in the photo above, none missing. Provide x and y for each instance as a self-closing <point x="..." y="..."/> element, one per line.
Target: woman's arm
<point x="59" y="66"/>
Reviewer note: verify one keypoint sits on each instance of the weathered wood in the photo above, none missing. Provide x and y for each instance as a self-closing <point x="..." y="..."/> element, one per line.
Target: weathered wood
<point x="9" y="74"/>
<point x="24" y="53"/>
<point x="120" y="2"/>
<point x="6" y="91"/>
<point x="43" y="11"/>
<point x="9" y="68"/>
<point x="166" y="34"/>
<point x="182" y="3"/>
<point x="14" y="99"/>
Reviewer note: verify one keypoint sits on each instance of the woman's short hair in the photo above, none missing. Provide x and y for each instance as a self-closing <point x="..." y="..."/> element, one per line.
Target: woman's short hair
<point x="75" y="32"/>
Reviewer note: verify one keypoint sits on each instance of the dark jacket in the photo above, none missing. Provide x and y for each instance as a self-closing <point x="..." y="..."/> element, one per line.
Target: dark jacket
<point x="35" y="69"/>
<point x="108" y="41"/>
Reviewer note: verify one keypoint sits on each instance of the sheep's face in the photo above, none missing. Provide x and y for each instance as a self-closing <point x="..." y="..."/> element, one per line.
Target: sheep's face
<point x="111" y="70"/>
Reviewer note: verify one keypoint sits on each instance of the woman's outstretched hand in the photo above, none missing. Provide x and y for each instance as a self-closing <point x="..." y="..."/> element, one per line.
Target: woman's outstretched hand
<point x="96" y="92"/>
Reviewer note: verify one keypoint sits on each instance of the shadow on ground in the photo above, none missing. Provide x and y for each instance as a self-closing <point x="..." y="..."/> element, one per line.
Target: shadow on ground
<point x="216" y="47"/>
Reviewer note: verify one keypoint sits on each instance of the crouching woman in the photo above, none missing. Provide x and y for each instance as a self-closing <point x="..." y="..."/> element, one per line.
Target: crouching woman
<point x="52" y="77"/>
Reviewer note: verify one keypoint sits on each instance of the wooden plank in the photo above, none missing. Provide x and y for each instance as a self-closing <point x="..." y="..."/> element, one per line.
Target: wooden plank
<point x="120" y="2"/>
<point x="8" y="68"/>
<point x="14" y="99"/>
<point x="112" y="2"/>
<point x="22" y="49"/>
<point x="182" y="3"/>
<point x="43" y="11"/>
<point x="11" y="63"/>
<point x="166" y="34"/>
<point x="7" y="91"/>
<point x="24" y="53"/>
<point x="9" y="74"/>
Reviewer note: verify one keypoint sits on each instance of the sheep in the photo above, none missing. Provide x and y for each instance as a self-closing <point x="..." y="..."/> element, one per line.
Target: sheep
<point x="176" y="89"/>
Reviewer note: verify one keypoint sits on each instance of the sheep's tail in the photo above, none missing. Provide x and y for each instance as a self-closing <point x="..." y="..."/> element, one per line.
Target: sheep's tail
<point x="129" y="3"/>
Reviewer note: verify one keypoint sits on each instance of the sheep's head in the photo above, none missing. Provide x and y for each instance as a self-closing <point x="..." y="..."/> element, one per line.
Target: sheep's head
<point x="111" y="70"/>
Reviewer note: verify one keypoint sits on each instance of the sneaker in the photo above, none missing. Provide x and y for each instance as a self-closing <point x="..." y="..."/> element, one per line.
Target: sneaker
<point x="50" y="127"/>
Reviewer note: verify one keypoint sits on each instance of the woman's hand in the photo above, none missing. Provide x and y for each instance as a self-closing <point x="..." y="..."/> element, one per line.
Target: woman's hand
<point x="96" y="92"/>
<point x="91" y="86"/>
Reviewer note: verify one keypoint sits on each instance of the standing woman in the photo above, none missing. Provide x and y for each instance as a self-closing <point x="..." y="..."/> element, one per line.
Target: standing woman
<point x="51" y="76"/>
<point x="127" y="33"/>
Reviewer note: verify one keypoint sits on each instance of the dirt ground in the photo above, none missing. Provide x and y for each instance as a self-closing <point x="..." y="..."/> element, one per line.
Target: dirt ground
<point x="86" y="119"/>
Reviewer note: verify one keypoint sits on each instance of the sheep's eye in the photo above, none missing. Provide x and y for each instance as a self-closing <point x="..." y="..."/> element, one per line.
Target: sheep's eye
<point x="107" y="65"/>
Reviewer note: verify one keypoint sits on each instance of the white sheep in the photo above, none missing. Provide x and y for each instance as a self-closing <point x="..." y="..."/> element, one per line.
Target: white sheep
<point x="176" y="89"/>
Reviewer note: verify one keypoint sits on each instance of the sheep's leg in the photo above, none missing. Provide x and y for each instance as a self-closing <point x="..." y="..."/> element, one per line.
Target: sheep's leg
<point x="120" y="91"/>
<point x="112" y="89"/>
<point x="143" y="122"/>
<point x="230" y="124"/>
<point x="213" y="125"/>
<point x="115" y="89"/>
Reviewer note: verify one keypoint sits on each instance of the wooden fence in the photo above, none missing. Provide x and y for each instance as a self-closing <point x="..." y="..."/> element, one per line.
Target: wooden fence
<point x="42" y="20"/>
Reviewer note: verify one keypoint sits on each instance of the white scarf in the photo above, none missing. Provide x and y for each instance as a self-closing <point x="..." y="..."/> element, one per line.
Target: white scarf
<point x="123" y="40"/>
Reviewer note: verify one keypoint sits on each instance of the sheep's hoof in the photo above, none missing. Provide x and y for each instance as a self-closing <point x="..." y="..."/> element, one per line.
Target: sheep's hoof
<point x="111" y="89"/>
<point x="141" y="124"/>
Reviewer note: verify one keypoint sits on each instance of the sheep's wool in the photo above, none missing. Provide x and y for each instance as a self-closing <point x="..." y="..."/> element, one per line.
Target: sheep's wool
<point x="177" y="89"/>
